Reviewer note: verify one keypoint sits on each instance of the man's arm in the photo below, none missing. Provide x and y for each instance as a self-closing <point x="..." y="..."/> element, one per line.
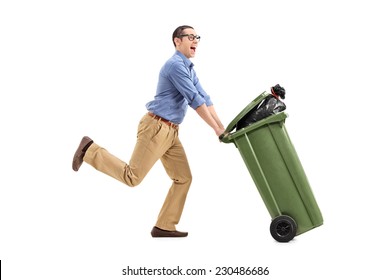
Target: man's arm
<point x="209" y="115"/>
<point x="215" y="116"/>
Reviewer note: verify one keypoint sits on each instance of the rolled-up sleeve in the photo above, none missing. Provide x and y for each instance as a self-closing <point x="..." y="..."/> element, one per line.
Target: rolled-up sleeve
<point x="201" y="91"/>
<point x="180" y="76"/>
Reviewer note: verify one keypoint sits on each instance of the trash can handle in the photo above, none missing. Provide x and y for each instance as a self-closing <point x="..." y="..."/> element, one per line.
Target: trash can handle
<point x="225" y="137"/>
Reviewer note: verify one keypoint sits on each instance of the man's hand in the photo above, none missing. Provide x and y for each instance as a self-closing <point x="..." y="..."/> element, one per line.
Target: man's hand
<point x="219" y="131"/>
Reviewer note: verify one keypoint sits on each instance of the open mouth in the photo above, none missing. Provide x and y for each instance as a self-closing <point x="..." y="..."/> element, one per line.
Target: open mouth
<point x="193" y="48"/>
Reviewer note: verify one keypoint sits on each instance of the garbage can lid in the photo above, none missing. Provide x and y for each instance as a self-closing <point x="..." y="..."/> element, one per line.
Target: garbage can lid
<point x="229" y="137"/>
<point x="246" y="110"/>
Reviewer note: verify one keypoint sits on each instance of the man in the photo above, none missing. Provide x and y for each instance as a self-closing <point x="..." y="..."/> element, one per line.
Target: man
<point x="157" y="138"/>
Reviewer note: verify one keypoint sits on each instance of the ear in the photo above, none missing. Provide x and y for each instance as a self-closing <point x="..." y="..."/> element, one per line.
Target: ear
<point x="177" y="41"/>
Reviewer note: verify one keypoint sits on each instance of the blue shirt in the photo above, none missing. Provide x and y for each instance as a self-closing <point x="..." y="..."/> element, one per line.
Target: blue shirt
<point x="178" y="87"/>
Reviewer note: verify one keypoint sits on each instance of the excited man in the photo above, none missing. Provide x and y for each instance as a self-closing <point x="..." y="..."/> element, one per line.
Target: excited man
<point x="157" y="138"/>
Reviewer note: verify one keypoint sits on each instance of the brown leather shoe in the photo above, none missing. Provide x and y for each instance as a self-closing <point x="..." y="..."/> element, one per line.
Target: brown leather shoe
<point x="158" y="232"/>
<point x="80" y="152"/>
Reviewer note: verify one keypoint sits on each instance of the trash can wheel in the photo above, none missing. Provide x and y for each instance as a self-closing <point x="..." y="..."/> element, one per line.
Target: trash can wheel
<point x="283" y="228"/>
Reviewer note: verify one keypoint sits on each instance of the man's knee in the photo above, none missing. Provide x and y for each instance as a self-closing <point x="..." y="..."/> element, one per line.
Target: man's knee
<point x="133" y="181"/>
<point x="184" y="179"/>
<point x="131" y="178"/>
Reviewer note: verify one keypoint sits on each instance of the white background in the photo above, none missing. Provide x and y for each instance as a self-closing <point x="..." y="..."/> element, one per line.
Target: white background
<point x="75" y="68"/>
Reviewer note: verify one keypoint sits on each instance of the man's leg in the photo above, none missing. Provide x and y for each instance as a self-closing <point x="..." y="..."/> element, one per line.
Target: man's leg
<point x="152" y="142"/>
<point x="176" y="165"/>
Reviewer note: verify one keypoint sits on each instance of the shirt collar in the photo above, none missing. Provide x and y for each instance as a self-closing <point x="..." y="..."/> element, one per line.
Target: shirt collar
<point x="187" y="62"/>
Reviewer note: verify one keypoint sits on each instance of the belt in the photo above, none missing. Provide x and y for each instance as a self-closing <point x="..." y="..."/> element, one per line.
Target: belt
<point x="163" y="120"/>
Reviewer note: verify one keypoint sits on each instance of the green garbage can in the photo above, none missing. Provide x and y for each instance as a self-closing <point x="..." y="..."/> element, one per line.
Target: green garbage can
<point x="277" y="172"/>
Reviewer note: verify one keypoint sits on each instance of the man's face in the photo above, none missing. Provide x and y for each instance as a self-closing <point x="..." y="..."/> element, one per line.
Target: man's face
<point x="184" y="43"/>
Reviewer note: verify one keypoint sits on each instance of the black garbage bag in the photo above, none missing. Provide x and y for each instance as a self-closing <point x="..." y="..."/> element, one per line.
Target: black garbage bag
<point x="277" y="90"/>
<point x="269" y="106"/>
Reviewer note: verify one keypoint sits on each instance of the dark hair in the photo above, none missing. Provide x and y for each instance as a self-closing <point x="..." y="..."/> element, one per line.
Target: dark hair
<point x="179" y="31"/>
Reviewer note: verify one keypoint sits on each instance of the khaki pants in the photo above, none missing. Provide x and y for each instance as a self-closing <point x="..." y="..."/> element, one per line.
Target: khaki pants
<point x="155" y="140"/>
